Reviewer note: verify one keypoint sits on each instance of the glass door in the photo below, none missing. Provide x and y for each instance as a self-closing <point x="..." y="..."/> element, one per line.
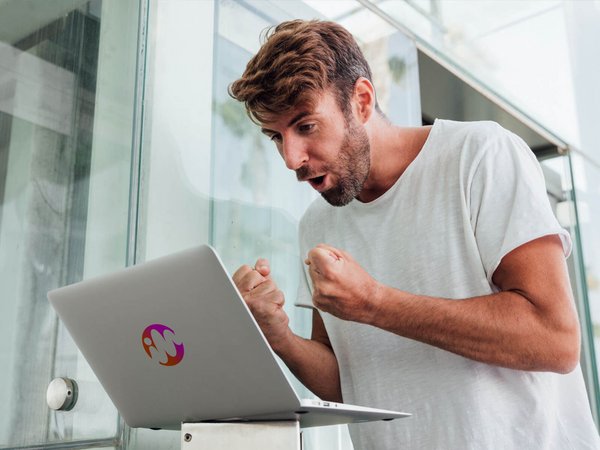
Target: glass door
<point x="67" y="78"/>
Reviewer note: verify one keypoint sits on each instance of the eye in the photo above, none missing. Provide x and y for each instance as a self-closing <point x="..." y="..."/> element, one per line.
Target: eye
<point x="306" y="127"/>
<point x="276" y="137"/>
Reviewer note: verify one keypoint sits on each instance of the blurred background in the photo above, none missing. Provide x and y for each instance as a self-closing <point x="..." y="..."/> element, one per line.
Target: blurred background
<point x="119" y="143"/>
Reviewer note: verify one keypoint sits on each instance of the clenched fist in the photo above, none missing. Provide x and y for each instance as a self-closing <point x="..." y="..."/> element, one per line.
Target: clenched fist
<point x="265" y="301"/>
<point x="341" y="287"/>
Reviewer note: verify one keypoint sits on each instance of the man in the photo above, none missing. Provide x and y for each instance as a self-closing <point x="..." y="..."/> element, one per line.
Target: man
<point x="434" y="263"/>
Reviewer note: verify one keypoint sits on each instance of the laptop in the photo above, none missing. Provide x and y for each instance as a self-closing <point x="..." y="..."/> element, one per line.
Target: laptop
<point x="171" y="341"/>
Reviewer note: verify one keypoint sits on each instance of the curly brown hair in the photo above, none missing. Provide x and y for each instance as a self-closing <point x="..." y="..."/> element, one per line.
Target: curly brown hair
<point x="297" y="60"/>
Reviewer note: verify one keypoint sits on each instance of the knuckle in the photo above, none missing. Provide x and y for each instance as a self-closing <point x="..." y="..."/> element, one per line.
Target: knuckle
<point x="279" y="297"/>
<point x="270" y="285"/>
<point x="242" y="270"/>
<point x="241" y="274"/>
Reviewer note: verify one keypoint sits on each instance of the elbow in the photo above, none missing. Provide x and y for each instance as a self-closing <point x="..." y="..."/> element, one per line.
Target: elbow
<point x="566" y="364"/>
<point x="566" y="352"/>
<point x="561" y="340"/>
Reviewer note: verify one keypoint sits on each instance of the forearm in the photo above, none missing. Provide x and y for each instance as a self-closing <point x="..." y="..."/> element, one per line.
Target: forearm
<point x="313" y="363"/>
<point x="503" y="329"/>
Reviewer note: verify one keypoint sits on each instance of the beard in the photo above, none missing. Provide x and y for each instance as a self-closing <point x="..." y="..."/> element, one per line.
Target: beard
<point x="354" y="163"/>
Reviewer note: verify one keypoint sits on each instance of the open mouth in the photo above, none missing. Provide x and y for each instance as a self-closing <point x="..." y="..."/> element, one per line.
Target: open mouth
<point x="317" y="182"/>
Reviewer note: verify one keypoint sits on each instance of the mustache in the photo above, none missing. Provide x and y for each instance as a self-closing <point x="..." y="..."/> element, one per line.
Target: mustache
<point x="304" y="173"/>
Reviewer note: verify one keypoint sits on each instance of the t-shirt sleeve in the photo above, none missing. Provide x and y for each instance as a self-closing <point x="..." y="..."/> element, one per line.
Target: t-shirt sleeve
<point x="508" y="202"/>
<point x="304" y="296"/>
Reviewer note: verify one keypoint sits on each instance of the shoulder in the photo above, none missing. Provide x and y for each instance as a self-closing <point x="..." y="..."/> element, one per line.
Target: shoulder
<point x="476" y="141"/>
<point x="478" y="134"/>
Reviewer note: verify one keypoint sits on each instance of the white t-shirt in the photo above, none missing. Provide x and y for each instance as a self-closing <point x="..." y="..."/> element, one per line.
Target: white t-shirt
<point x="474" y="193"/>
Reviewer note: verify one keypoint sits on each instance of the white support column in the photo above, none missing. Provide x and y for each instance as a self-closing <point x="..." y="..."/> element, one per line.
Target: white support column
<point x="245" y="435"/>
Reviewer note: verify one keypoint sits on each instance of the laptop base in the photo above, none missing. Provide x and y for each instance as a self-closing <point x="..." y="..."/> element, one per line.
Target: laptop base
<point x="284" y="435"/>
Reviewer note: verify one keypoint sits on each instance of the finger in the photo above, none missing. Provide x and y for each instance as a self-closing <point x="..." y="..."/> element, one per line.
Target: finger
<point x="250" y="281"/>
<point x="334" y="252"/>
<point x="319" y="279"/>
<point x="265" y="287"/>
<point x="263" y="267"/>
<point x="267" y="293"/>
<point x="241" y="273"/>
<point x="312" y="263"/>
<point x="322" y="256"/>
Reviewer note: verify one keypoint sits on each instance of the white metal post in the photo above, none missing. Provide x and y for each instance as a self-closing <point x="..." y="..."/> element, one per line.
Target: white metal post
<point x="284" y="435"/>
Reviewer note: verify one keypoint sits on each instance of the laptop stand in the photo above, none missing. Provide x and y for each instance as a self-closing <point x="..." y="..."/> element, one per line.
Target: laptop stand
<point x="285" y="435"/>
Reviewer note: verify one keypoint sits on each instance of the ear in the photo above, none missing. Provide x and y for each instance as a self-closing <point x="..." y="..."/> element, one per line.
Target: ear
<point x="364" y="99"/>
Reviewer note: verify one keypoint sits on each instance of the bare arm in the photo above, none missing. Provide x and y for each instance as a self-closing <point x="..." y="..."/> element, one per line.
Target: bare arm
<point x="311" y="360"/>
<point x="530" y="325"/>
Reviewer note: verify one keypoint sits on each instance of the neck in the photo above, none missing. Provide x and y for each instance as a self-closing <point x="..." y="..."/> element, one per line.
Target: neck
<point x="393" y="148"/>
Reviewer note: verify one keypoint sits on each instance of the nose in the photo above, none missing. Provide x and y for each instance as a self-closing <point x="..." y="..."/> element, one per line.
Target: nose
<point x="294" y="153"/>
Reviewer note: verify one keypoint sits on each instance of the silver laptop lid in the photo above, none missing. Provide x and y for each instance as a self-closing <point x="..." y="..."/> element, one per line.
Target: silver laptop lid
<point x="171" y="341"/>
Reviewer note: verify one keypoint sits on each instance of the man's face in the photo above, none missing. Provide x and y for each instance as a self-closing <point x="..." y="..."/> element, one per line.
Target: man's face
<point x="324" y="147"/>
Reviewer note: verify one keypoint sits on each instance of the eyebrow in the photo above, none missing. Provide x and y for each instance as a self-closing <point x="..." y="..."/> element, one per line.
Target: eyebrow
<point x="295" y="119"/>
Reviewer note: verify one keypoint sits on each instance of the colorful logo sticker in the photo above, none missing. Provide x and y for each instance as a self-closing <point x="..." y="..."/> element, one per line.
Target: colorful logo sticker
<point x="159" y="343"/>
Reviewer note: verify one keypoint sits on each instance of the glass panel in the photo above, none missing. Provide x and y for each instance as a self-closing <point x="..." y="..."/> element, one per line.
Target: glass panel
<point x="257" y="202"/>
<point x="572" y="210"/>
<point x="484" y="40"/>
<point x="66" y="104"/>
<point x="587" y="204"/>
<point x="583" y="33"/>
<point x="209" y="175"/>
<point x="174" y="208"/>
